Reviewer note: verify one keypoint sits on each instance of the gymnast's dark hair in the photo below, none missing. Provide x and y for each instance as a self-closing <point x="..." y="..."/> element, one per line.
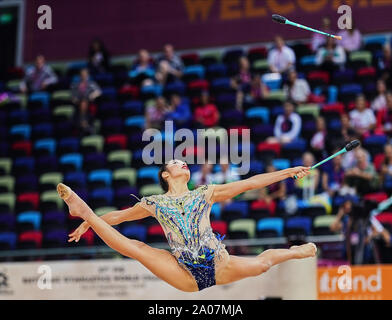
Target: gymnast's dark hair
<point x="162" y="181"/>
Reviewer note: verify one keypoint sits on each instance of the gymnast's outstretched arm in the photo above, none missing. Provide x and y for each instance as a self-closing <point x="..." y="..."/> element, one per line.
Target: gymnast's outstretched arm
<point x="112" y="218"/>
<point x="229" y="190"/>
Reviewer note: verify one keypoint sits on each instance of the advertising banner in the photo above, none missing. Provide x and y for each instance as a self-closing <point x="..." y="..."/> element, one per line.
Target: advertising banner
<point x="127" y="26"/>
<point x="370" y="282"/>
<point x="128" y="279"/>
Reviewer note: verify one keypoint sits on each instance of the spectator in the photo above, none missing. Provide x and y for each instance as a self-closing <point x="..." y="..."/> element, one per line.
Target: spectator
<point x="307" y="186"/>
<point x="273" y="193"/>
<point x="318" y="40"/>
<point x="204" y="175"/>
<point x="351" y="39"/>
<point x="98" y="57"/>
<point x="143" y="69"/>
<point x="331" y="57"/>
<point x="380" y="101"/>
<point x="258" y="90"/>
<point x="333" y="177"/>
<point x="155" y="113"/>
<point x="318" y="140"/>
<point x="297" y="90"/>
<point x="241" y="82"/>
<point x="170" y="66"/>
<point x="39" y="77"/>
<point x="384" y="64"/>
<point x="179" y="111"/>
<point x="83" y="93"/>
<point x="384" y="116"/>
<point x="363" y="176"/>
<point x="281" y="58"/>
<point x="287" y="126"/>
<point x="362" y="119"/>
<point x="206" y="115"/>
<point x="386" y="167"/>
<point x="226" y="174"/>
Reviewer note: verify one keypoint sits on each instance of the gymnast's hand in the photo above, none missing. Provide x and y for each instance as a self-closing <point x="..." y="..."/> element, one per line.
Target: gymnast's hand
<point x="300" y="172"/>
<point x="75" y="236"/>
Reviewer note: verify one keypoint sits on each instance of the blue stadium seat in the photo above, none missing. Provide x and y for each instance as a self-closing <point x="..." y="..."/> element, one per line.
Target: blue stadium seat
<point x="136" y="231"/>
<point x="42" y="97"/>
<point x="281" y="164"/>
<point x="133" y="106"/>
<point x="33" y="217"/>
<point x="216" y="211"/>
<point x="19" y="116"/>
<point x="69" y="145"/>
<point x="258" y="112"/>
<point x="48" y="144"/>
<point x="23" y="130"/>
<point x="275" y="224"/>
<point x="76" y="177"/>
<point x="308" y="60"/>
<point x="9" y="239"/>
<point x="272" y="80"/>
<point x="135" y="121"/>
<point x="149" y="172"/>
<point x="75" y="159"/>
<point x="304" y="223"/>
<point x="101" y="175"/>
<point x="221" y="84"/>
<point x="43" y="130"/>
<point x="177" y="87"/>
<point x="106" y="193"/>
<point x="197" y="70"/>
<point x="152" y="90"/>
<point x="256" y="167"/>
<point x="216" y="70"/>
<point x="109" y="93"/>
<point x="28" y="163"/>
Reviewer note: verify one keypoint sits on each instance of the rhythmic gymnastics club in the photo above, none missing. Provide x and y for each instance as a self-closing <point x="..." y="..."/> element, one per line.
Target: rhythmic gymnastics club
<point x="279" y="19"/>
<point x="349" y="146"/>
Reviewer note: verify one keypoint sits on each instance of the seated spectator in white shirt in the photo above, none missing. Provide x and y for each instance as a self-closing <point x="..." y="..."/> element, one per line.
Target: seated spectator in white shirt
<point x="297" y="90"/>
<point x="203" y="176"/>
<point x="287" y="126"/>
<point x="331" y="57"/>
<point x="351" y="39"/>
<point x="380" y="101"/>
<point x="318" y="39"/>
<point x="362" y="119"/>
<point x="38" y="77"/>
<point x="227" y="173"/>
<point x="281" y="58"/>
<point x="170" y="65"/>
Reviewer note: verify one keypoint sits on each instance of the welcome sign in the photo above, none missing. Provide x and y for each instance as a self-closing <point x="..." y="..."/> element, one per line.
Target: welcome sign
<point x="127" y="26"/>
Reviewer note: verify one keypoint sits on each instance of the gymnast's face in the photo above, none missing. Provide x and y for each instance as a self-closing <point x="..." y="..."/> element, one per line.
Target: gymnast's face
<point x="177" y="168"/>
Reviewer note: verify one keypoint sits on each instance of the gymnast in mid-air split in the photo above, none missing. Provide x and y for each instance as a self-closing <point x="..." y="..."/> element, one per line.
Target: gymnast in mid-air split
<point x="198" y="259"/>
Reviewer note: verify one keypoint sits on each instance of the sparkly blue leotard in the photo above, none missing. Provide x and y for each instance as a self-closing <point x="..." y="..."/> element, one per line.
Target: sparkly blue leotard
<point x="186" y="223"/>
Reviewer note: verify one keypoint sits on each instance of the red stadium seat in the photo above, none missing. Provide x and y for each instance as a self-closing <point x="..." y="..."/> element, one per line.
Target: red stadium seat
<point x="89" y="236"/>
<point x="118" y="139"/>
<point x="333" y="108"/>
<point x="22" y="146"/>
<point x="155" y="229"/>
<point x="259" y="205"/>
<point x="129" y="90"/>
<point x="275" y="147"/>
<point x="378" y="196"/>
<point x="31" y="236"/>
<point x="219" y="226"/>
<point x="318" y="77"/>
<point x="190" y="58"/>
<point x="32" y="197"/>
<point x="378" y="160"/>
<point x="385" y="217"/>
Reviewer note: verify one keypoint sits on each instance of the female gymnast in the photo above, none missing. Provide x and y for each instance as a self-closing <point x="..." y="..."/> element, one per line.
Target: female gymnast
<point x="198" y="259"/>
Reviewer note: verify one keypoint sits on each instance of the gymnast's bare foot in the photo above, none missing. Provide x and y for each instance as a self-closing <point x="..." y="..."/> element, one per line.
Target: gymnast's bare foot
<point x="305" y="251"/>
<point x="77" y="207"/>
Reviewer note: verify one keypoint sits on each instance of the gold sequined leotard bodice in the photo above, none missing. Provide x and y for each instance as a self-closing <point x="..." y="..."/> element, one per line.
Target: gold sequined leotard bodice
<point x="186" y="222"/>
